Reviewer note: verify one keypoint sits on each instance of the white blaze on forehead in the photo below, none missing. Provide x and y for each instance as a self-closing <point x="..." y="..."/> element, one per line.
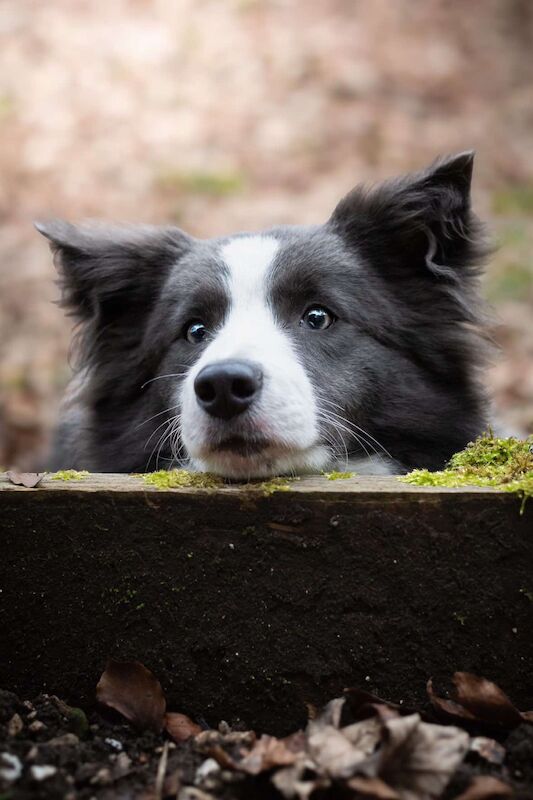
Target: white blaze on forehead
<point x="249" y="259"/>
<point x="285" y="411"/>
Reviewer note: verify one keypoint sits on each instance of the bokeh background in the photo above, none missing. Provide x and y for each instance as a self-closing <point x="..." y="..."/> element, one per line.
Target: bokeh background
<point x="223" y="115"/>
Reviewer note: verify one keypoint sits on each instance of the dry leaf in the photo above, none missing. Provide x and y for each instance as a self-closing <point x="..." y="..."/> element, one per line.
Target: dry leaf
<point x="331" y="713"/>
<point x="485" y="787"/>
<point x="478" y="700"/>
<point x="340" y="753"/>
<point x="485" y="700"/>
<point x="418" y="758"/>
<point x="489" y="749"/>
<point x="299" y="782"/>
<point x="448" y="707"/>
<point x="133" y="691"/>
<point x="364" y="704"/>
<point x="28" y="479"/>
<point x="268" y="752"/>
<point x="373" y="788"/>
<point x="180" y="727"/>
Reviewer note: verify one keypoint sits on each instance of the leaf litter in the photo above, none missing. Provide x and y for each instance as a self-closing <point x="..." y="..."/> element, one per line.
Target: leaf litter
<point x="27" y="479"/>
<point x="357" y="746"/>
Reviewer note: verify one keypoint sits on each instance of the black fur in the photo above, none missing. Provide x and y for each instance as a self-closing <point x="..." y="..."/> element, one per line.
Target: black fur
<point x="400" y="261"/>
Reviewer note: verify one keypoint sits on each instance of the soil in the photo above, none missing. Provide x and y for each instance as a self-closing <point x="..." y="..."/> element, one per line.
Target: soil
<point x="101" y="757"/>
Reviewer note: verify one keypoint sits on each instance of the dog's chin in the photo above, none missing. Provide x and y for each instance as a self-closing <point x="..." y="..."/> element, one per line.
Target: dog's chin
<point x="241" y="459"/>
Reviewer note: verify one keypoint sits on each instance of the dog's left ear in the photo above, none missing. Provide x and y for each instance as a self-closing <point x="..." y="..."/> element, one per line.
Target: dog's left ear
<point x="419" y="223"/>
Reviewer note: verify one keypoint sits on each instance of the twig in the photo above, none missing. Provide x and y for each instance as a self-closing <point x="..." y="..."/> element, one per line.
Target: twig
<point x="161" y="772"/>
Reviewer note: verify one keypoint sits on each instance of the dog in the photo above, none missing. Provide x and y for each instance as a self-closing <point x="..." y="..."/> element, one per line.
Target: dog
<point x="354" y="344"/>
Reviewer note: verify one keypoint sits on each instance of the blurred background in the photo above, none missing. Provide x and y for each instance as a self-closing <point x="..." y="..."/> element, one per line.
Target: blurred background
<point x="223" y="115"/>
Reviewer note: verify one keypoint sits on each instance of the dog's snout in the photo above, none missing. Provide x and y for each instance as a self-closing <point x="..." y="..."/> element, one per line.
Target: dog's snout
<point x="228" y="388"/>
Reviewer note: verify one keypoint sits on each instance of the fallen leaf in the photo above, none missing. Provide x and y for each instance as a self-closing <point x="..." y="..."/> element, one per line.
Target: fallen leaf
<point x="269" y="752"/>
<point x="339" y="753"/>
<point x="485" y="700"/>
<point x="489" y="749"/>
<point x="331" y="713"/>
<point x="28" y="479"/>
<point x="478" y="700"/>
<point x="373" y="788"/>
<point x="180" y="727"/>
<point x="364" y="704"/>
<point x="133" y="691"/>
<point x="217" y="752"/>
<point x="418" y="758"/>
<point x="300" y="781"/>
<point x="449" y="708"/>
<point x="485" y="787"/>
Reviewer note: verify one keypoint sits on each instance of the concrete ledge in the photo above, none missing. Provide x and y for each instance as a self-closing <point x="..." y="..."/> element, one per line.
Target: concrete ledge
<point x="250" y="606"/>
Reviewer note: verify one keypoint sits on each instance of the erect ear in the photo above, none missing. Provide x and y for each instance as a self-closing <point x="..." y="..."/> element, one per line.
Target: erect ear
<point x="417" y="223"/>
<point x="111" y="271"/>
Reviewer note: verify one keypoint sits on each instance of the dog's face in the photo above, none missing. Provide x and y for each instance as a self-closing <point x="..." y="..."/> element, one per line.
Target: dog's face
<point x="270" y="337"/>
<point x="278" y="352"/>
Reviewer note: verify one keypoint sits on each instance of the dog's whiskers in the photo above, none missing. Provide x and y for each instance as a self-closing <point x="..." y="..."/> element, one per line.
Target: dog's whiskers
<point x="369" y="437"/>
<point x="160" y="377"/>
<point x="167" y="432"/>
<point x="334" y="421"/>
<point x="165" y="411"/>
<point x="331" y="442"/>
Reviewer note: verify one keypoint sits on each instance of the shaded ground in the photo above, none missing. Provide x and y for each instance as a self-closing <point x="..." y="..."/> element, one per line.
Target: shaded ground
<point x="231" y="115"/>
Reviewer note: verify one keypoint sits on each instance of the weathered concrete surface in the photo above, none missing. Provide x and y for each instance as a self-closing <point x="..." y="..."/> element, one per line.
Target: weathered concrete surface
<point x="249" y="606"/>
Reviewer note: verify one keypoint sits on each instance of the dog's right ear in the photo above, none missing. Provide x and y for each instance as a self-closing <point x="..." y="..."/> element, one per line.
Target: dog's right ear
<point x="107" y="271"/>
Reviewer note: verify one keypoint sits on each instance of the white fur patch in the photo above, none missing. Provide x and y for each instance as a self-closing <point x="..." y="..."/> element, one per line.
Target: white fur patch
<point x="285" y="411"/>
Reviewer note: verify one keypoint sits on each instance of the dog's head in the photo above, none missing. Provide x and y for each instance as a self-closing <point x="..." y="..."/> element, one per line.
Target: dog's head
<point x="285" y="350"/>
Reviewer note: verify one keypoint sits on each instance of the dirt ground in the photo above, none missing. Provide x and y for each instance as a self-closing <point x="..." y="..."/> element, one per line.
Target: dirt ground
<point x="222" y="115"/>
<point x="47" y="751"/>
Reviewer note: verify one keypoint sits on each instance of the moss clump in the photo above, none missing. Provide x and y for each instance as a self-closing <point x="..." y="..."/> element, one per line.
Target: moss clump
<point x="338" y="476"/>
<point x="70" y="475"/>
<point x="275" y="485"/>
<point x="505" y="464"/>
<point x="181" y="479"/>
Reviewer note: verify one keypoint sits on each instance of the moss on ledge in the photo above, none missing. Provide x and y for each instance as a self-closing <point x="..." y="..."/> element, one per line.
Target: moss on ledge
<point x="69" y="475"/>
<point x="274" y="485"/>
<point x="505" y="464"/>
<point x="181" y="479"/>
<point x="338" y="476"/>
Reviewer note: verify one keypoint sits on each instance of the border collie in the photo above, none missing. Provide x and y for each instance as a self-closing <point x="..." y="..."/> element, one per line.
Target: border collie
<point x="353" y="344"/>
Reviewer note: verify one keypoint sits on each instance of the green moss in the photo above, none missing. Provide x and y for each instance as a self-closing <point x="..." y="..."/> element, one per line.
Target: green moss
<point x="215" y="184"/>
<point x="514" y="199"/>
<point x="69" y="475"/>
<point x="513" y="282"/>
<point x="505" y="464"/>
<point x="338" y="476"/>
<point x="181" y="479"/>
<point x="274" y="485"/>
<point x="78" y="722"/>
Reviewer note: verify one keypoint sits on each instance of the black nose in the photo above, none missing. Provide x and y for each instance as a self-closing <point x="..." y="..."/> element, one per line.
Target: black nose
<point x="228" y="388"/>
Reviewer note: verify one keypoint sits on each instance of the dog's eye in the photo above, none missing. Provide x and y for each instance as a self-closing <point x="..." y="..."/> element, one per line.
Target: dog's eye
<point x="195" y="332"/>
<point x="317" y="318"/>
